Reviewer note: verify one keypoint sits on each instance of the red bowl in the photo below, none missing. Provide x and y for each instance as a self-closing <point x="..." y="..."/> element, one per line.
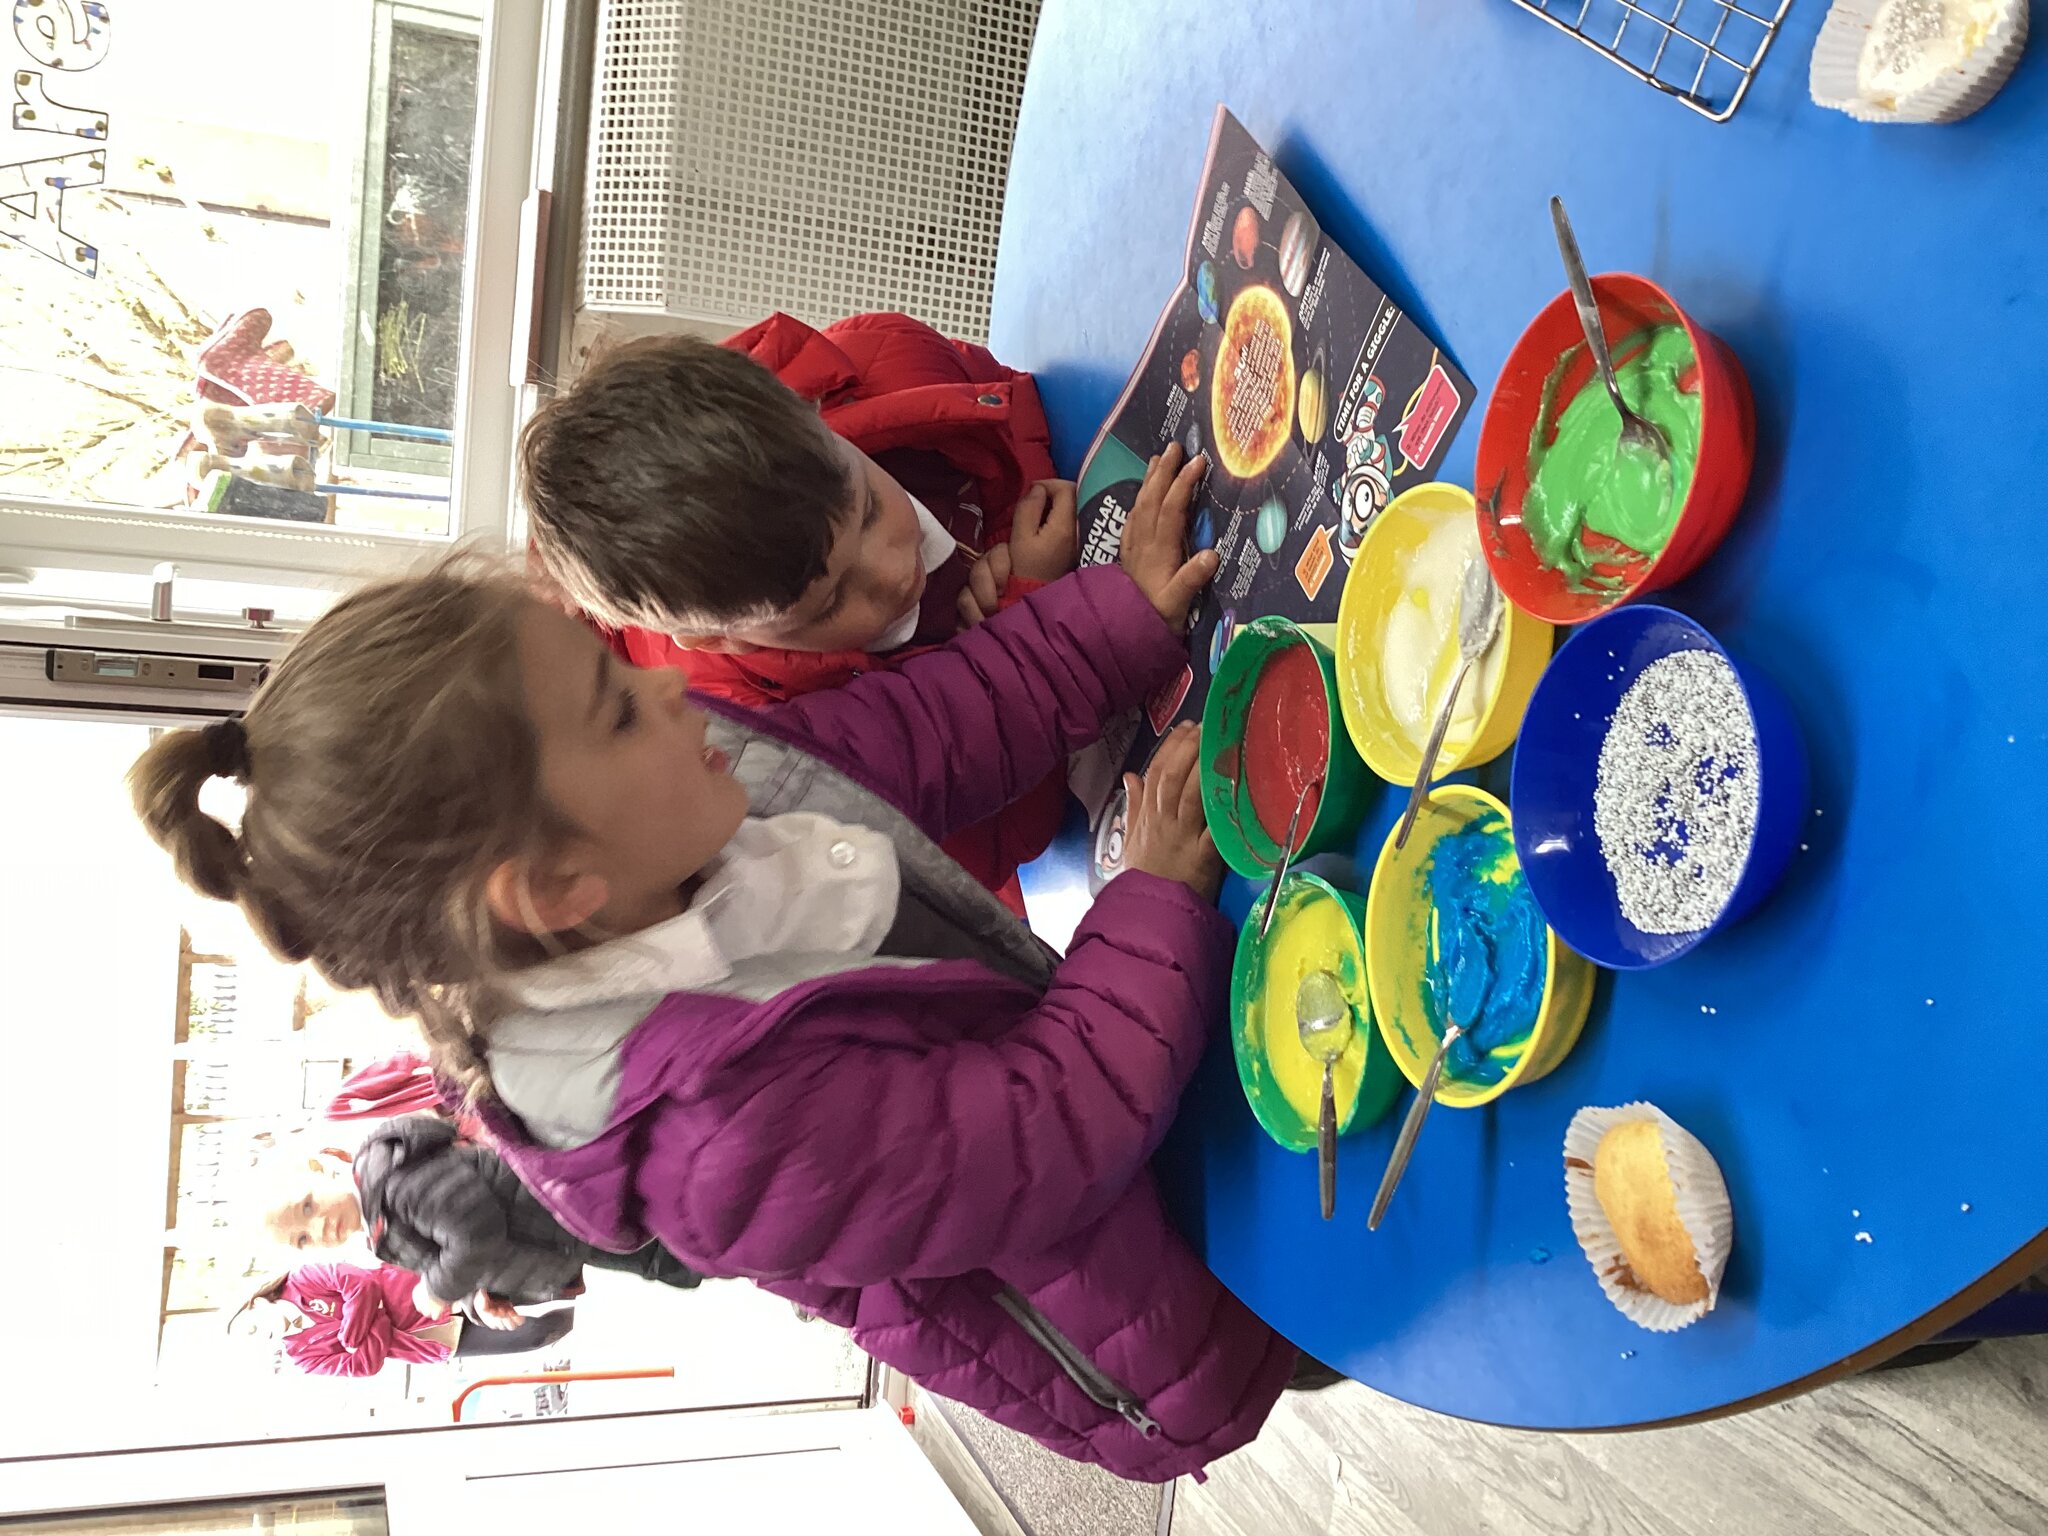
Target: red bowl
<point x="1727" y="445"/>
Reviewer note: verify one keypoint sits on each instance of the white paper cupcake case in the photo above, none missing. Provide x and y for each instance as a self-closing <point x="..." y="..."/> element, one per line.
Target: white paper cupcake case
<point x="1832" y="79"/>
<point x="1702" y="1205"/>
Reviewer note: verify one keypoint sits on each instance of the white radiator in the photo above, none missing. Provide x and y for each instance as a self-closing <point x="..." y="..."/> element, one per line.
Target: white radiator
<point x="819" y="156"/>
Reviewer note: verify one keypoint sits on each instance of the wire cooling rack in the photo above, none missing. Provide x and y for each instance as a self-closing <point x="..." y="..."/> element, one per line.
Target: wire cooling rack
<point x="1703" y="52"/>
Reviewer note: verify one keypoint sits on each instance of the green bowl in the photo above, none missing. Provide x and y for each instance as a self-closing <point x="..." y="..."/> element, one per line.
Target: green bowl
<point x="1379" y="1079"/>
<point x="1347" y="783"/>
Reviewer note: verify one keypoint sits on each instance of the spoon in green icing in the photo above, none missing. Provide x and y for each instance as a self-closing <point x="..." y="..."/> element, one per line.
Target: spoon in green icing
<point x="1638" y="433"/>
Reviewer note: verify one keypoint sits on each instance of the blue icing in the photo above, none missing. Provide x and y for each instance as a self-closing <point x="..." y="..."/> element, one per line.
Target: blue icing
<point x="1487" y="950"/>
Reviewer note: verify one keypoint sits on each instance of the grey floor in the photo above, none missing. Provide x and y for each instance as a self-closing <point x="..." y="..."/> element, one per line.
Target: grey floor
<point x="1956" y="1449"/>
<point x="1944" y="1450"/>
<point x="1046" y="1494"/>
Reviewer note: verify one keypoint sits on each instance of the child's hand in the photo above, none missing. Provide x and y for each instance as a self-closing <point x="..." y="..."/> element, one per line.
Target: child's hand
<point x="1045" y="536"/>
<point x="1168" y="836"/>
<point x="1156" y="537"/>
<point x="496" y="1312"/>
<point x="427" y="1302"/>
<point x="983" y="593"/>
<point x="1044" y="544"/>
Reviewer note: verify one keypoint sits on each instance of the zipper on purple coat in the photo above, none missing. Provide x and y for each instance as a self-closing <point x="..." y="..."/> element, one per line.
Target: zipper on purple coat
<point x="1098" y="1385"/>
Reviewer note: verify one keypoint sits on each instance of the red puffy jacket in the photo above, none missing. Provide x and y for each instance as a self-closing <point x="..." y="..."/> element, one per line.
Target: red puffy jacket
<point x="886" y="382"/>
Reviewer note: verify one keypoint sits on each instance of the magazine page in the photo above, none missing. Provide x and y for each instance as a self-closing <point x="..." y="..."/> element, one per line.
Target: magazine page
<point x="1317" y="401"/>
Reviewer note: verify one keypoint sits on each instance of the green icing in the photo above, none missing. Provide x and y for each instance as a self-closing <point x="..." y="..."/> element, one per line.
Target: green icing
<point x="1581" y="481"/>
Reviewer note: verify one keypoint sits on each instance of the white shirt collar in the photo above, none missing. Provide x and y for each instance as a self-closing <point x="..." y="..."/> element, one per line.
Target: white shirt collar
<point x="790" y="899"/>
<point x="935" y="550"/>
<point x="792" y="894"/>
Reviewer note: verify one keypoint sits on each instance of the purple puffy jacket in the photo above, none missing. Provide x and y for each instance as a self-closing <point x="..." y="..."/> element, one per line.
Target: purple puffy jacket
<point x="948" y="1162"/>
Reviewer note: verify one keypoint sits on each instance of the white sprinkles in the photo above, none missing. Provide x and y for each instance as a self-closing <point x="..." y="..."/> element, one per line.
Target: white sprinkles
<point x="1674" y="805"/>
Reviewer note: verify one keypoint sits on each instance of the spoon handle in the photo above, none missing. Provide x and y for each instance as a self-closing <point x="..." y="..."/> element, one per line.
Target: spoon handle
<point x="1286" y="857"/>
<point x="1411" y="1128"/>
<point x="1589" y="307"/>
<point x="1429" y="755"/>
<point x="1273" y="890"/>
<point x="1326" y="1143"/>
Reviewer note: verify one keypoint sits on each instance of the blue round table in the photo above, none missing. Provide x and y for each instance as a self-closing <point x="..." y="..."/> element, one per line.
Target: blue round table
<point x="1864" y="1055"/>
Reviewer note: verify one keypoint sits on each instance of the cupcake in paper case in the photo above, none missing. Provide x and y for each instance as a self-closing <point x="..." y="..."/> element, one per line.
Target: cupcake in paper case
<point x="1651" y="1212"/>
<point x="1915" y="61"/>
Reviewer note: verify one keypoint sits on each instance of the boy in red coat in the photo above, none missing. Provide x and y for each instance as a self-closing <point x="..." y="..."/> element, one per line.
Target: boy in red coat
<point x="785" y="512"/>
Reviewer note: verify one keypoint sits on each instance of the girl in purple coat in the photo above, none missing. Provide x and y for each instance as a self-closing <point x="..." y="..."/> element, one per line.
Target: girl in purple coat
<point x="709" y="980"/>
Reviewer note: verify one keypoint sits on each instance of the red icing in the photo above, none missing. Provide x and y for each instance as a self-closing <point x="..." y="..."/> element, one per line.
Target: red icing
<point x="1287" y="741"/>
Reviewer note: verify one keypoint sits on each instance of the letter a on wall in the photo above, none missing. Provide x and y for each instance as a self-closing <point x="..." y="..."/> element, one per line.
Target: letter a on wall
<point x="71" y="36"/>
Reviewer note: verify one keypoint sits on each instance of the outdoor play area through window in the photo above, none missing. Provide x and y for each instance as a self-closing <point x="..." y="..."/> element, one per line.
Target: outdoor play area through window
<point x="232" y="271"/>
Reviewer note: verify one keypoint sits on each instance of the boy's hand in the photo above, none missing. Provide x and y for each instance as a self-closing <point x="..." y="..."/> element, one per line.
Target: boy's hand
<point x="1045" y="536"/>
<point x="1156" y="537"/>
<point x="1044" y="544"/>
<point x="983" y="593"/>
<point x="1168" y="836"/>
<point x="986" y="582"/>
<point x="496" y="1312"/>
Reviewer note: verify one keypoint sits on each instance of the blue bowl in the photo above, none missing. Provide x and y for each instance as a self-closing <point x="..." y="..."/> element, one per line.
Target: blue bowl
<point x="1557" y="760"/>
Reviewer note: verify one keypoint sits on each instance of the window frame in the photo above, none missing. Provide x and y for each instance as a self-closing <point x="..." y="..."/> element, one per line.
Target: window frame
<point x="356" y="383"/>
<point x="99" y="536"/>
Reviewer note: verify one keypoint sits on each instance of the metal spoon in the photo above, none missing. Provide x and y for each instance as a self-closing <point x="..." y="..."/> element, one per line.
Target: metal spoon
<point x="1324" y="1019"/>
<point x="1636" y="432"/>
<point x="1478" y="623"/>
<point x="1404" y="1144"/>
<point x="1286" y="856"/>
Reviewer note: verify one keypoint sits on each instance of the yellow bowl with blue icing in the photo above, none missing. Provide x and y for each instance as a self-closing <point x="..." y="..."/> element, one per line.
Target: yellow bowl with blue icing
<point x="1453" y="931"/>
<point x="1317" y="926"/>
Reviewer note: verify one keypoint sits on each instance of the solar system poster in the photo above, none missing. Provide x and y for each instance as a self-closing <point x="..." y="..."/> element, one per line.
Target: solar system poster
<point x="1317" y="401"/>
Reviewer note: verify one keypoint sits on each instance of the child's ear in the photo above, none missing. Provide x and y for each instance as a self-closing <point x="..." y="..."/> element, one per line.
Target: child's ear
<point x="529" y="899"/>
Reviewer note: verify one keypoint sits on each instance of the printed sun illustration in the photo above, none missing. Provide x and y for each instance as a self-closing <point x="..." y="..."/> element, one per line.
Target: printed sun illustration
<point x="1251" y="398"/>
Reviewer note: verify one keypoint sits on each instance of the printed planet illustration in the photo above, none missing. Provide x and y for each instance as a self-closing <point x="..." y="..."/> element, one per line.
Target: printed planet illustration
<point x="1205" y="291"/>
<point x="1297" y="245"/>
<point x="1312" y="403"/>
<point x="1271" y="528"/>
<point x="1202" y="529"/>
<point x="1193" y="440"/>
<point x="1219" y="642"/>
<point x="1252" y="384"/>
<point x="1191" y="370"/>
<point x="1244" y="237"/>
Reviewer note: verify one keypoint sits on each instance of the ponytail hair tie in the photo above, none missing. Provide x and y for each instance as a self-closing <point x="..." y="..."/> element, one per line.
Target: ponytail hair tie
<point x="227" y="749"/>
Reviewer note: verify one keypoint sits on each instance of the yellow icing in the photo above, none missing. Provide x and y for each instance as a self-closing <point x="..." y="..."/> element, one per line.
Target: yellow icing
<point x="1419" y="643"/>
<point x="1311" y="932"/>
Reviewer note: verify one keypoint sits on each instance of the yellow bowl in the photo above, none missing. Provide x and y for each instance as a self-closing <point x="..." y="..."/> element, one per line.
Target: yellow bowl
<point x="1397" y="923"/>
<point x="1365" y="1059"/>
<point x="1370" y="593"/>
